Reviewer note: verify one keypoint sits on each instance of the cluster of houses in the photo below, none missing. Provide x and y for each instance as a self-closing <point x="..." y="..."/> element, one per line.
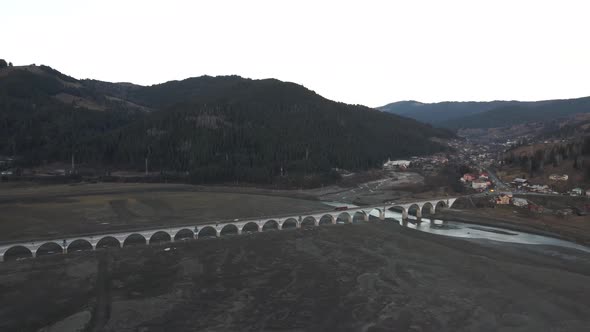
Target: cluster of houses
<point x="475" y="155"/>
<point x="478" y="182"/>
<point x="523" y="184"/>
<point x="508" y="199"/>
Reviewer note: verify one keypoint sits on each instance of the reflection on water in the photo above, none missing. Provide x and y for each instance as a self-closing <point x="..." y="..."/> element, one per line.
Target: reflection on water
<point x="465" y="230"/>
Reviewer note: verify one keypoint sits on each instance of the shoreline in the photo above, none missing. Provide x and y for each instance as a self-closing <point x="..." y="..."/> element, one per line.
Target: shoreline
<point x="456" y="215"/>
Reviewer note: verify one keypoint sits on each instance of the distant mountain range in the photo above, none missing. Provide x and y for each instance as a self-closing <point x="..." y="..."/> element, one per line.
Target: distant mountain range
<point x="491" y="114"/>
<point x="213" y="128"/>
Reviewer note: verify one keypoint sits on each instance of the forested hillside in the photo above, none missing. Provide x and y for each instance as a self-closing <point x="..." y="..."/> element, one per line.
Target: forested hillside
<point x="443" y="112"/>
<point x="522" y="113"/>
<point x="213" y="128"/>
<point x="455" y="115"/>
<point x="569" y="158"/>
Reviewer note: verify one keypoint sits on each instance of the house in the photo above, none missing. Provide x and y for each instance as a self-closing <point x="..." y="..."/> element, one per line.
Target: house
<point x="479" y="184"/>
<point x="396" y="164"/>
<point x="503" y="199"/>
<point x="540" y="188"/>
<point x="469" y="177"/>
<point x="557" y="177"/>
<point x="519" y="181"/>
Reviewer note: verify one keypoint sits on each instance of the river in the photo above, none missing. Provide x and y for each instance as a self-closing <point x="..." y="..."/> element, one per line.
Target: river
<point x="473" y="231"/>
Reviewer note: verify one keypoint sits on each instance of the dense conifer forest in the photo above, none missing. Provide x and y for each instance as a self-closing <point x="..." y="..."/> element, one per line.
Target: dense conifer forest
<point x="212" y="129"/>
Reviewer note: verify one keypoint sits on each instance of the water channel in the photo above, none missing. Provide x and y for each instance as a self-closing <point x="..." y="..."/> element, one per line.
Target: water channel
<point x="473" y="231"/>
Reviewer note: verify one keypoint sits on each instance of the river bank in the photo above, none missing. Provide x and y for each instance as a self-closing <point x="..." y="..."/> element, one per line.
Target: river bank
<point x="489" y="217"/>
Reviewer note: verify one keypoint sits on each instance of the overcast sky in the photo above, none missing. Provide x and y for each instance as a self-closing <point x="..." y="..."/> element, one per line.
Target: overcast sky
<point x="364" y="52"/>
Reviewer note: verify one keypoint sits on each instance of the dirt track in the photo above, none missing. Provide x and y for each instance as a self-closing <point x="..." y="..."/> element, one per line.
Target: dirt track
<point x="366" y="277"/>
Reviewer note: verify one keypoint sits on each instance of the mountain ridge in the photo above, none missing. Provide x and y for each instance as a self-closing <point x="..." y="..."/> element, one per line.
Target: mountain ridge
<point x="498" y="113"/>
<point x="222" y="128"/>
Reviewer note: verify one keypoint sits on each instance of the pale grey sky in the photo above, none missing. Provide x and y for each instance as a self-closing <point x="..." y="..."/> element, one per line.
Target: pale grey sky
<point x="365" y="52"/>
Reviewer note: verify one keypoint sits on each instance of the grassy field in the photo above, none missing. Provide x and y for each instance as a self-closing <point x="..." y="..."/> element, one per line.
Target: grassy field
<point x="46" y="211"/>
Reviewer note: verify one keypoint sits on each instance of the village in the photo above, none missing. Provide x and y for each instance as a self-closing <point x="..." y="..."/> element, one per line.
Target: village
<point x="480" y="179"/>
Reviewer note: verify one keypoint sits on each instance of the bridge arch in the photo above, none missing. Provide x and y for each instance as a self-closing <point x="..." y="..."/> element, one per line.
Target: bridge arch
<point x="250" y="227"/>
<point x="327" y="219"/>
<point x="289" y="223"/>
<point x="415" y="210"/>
<point x="310" y="220"/>
<point x="159" y="237"/>
<point x="229" y="229"/>
<point x="134" y="239"/>
<point x="359" y="217"/>
<point x="49" y="248"/>
<point x="440" y="205"/>
<point x="270" y="225"/>
<point x="376" y="214"/>
<point x="17" y="252"/>
<point x="184" y="234"/>
<point x="427" y="208"/>
<point x="401" y="210"/>
<point x="79" y="245"/>
<point x="108" y="242"/>
<point x="344" y="218"/>
<point x="207" y="231"/>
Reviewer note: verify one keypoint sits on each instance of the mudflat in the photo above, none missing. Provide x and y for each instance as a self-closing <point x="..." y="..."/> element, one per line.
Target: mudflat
<point x="60" y="210"/>
<point x="361" y="277"/>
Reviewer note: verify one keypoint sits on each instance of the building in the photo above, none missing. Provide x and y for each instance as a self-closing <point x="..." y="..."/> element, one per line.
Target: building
<point x="468" y="177"/>
<point x="519" y="202"/>
<point x="557" y="177"/>
<point x="576" y="192"/>
<point x="504" y="199"/>
<point x="540" y="188"/>
<point x="391" y="164"/>
<point x="519" y="181"/>
<point x="479" y="184"/>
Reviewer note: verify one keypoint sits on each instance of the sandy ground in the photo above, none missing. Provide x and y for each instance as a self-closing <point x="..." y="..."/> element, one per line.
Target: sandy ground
<point x="364" y="277"/>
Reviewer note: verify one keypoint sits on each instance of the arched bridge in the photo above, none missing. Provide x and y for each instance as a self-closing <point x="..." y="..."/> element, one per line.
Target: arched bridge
<point x="177" y="233"/>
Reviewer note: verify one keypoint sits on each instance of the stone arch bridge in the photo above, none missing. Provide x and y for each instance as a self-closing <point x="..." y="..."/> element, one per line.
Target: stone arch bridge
<point x="216" y="229"/>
